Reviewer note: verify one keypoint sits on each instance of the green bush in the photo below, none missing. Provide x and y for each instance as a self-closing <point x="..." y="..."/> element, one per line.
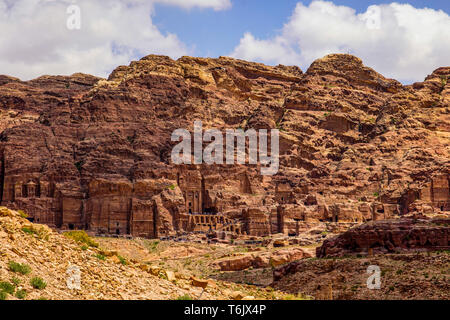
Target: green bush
<point x="3" y="295"/>
<point x="29" y="230"/>
<point x="21" y="294"/>
<point x="22" y="214"/>
<point x="122" y="260"/>
<point x="21" y="268"/>
<point x="41" y="232"/>
<point x="38" y="283"/>
<point x="185" y="297"/>
<point x="7" y="287"/>
<point x="16" y="281"/>
<point x="100" y="256"/>
<point x="81" y="237"/>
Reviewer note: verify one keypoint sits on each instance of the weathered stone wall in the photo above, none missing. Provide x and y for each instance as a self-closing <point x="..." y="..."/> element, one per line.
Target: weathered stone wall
<point x="437" y="193"/>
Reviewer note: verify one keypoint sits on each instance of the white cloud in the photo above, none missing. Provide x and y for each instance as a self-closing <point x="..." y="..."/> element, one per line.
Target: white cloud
<point x="275" y="50"/>
<point x="35" y="40"/>
<point x="409" y="43"/>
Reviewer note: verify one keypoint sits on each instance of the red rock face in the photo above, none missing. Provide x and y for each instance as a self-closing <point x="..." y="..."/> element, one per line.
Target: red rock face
<point x="87" y="153"/>
<point x="390" y="236"/>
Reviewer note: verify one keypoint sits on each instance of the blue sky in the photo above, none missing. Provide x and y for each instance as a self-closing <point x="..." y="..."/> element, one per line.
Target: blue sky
<point x="214" y="33"/>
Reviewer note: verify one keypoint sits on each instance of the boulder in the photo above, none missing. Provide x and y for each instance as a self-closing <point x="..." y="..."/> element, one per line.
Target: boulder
<point x="199" y="282"/>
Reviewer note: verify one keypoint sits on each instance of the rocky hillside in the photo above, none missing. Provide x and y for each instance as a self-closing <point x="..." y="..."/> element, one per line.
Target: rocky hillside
<point x="412" y="255"/>
<point x="34" y="263"/>
<point x="406" y="276"/>
<point x="81" y="152"/>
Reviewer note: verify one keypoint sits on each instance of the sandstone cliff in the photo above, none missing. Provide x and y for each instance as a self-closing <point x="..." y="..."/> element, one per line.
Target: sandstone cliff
<point x="81" y="152"/>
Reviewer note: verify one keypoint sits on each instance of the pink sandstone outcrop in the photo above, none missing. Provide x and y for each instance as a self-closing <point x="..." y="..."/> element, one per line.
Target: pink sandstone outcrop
<point x="390" y="236"/>
<point x="81" y="152"/>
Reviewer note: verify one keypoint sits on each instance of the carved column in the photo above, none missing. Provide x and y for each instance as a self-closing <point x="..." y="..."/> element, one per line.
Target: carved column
<point x="31" y="189"/>
<point x="18" y="190"/>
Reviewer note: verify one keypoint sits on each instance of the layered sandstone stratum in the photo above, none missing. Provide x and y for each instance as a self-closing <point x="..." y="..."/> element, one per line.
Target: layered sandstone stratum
<point x="81" y="152"/>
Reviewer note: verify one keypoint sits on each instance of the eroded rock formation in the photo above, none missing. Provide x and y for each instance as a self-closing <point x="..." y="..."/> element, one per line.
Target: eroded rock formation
<point x="390" y="236"/>
<point x="81" y="152"/>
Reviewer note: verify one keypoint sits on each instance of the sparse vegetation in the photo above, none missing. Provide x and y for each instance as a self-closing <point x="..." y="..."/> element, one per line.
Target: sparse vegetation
<point x="41" y="232"/>
<point x="172" y="187"/>
<point x="100" y="256"/>
<point x="21" y="268"/>
<point x="22" y="214"/>
<point x="444" y="80"/>
<point x="38" y="283"/>
<point x="122" y="260"/>
<point x="28" y="230"/>
<point x="16" y="281"/>
<point x="162" y="275"/>
<point x="3" y="295"/>
<point x="81" y="237"/>
<point x="21" y="294"/>
<point x="7" y="287"/>
<point x="185" y="297"/>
